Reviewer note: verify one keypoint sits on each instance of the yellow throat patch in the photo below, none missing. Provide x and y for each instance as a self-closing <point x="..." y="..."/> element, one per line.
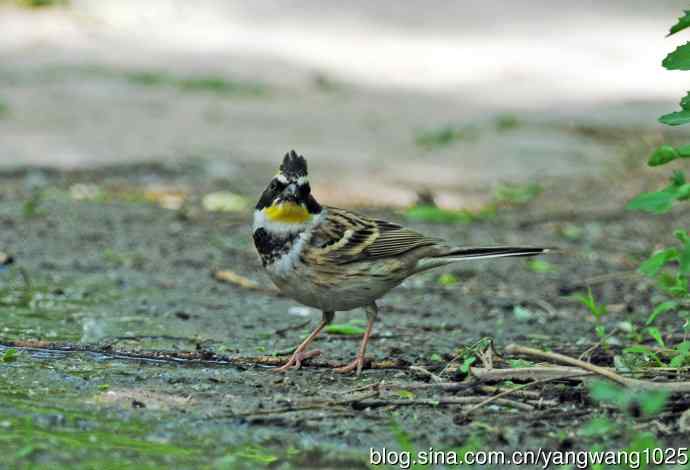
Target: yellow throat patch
<point x="287" y="213"/>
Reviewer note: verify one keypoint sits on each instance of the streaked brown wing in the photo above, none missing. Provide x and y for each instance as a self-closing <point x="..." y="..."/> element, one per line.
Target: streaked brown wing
<point x="345" y="238"/>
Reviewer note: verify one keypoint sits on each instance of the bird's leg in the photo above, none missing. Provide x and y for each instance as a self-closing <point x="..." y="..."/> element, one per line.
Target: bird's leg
<point x="372" y="310"/>
<point x="299" y="355"/>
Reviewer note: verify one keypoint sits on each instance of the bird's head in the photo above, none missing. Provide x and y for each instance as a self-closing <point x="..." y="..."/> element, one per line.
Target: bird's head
<point x="287" y="199"/>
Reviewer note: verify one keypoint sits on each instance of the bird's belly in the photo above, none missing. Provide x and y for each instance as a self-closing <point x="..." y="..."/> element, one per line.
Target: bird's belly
<point x="333" y="293"/>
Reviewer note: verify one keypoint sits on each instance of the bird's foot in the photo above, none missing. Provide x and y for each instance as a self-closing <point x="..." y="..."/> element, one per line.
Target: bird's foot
<point x="296" y="359"/>
<point x="357" y="364"/>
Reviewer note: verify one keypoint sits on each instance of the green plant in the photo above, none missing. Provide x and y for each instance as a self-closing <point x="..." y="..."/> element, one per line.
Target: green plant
<point x="444" y="136"/>
<point x="596" y="309"/>
<point x="670" y="266"/>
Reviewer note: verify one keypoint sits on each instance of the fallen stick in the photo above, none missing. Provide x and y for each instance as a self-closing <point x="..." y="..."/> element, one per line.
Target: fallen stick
<point x="231" y="277"/>
<point x="526" y="373"/>
<point x="378" y="402"/>
<point x="187" y="357"/>
<point x="677" y="387"/>
<point x="513" y="391"/>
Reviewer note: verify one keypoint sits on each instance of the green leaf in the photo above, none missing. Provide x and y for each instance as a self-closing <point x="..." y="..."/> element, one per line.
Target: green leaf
<point x="684" y="260"/>
<point x="448" y="279"/>
<point x="540" y="266"/>
<point x="598" y="310"/>
<point x="652" y="402"/>
<point x="519" y="363"/>
<point x="663" y="155"/>
<point x="406" y="394"/>
<point x="679" y="117"/>
<point x="683" y="350"/>
<point x="9" y="355"/>
<point x="661" y="308"/>
<point x="678" y="59"/>
<point x="606" y="392"/>
<point x="656" y="334"/>
<point x="653" y="265"/>
<point x="597" y="427"/>
<point x="344" y="329"/>
<point x="676" y="118"/>
<point x="677" y="180"/>
<point x="683" y="192"/>
<point x="657" y="202"/>
<point x="465" y="366"/>
<point x="522" y="314"/>
<point x="428" y="213"/>
<point x="402" y="437"/>
<point x="678" y="361"/>
<point x="684" y="347"/>
<point x="682" y="23"/>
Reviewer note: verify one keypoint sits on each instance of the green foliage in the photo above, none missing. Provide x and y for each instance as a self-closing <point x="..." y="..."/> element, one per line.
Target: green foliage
<point x="660" y="202"/>
<point x="540" y="266"/>
<point x="402" y="437"/>
<point x="466" y="364"/>
<point x="679" y="117"/>
<point x="650" y="402"/>
<point x="41" y="3"/>
<point x="344" y="329"/>
<point x="663" y="307"/>
<point x="596" y="309"/>
<point x="674" y="281"/>
<point x="683" y="22"/>
<point x="682" y="356"/>
<point x="448" y="279"/>
<point x="443" y="137"/>
<point x="522" y="314"/>
<point x="506" y="122"/>
<point x="666" y="154"/>
<point x="598" y="426"/>
<point x="517" y="194"/>
<point x="670" y="266"/>
<point x="9" y="355"/>
<point x="220" y="86"/>
<point x="32" y="206"/>
<point x="434" y="214"/>
<point x="678" y="59"/>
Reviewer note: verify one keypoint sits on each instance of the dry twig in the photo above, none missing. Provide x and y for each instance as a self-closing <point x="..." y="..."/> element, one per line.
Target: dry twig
<point x="679" y="387"/>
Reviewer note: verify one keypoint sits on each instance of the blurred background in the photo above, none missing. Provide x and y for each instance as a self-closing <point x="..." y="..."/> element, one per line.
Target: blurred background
<point x="385" y="99"/>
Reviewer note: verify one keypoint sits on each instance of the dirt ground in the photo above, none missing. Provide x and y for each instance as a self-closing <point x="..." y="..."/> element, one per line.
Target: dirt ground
<point x="134" y="142"/>
<point x="175" y="367"/>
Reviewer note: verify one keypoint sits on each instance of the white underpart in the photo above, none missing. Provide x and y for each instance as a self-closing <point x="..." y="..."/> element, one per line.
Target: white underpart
<point x="284" y="266"/>
<point x="302" y="180"/>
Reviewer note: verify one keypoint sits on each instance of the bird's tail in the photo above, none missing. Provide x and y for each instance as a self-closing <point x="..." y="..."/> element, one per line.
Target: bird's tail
<point x="457" y="254"/>
<point x="451" y="255"/>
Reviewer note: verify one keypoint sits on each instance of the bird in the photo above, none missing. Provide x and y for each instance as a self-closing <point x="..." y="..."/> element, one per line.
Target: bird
<point x="334" y="260"/>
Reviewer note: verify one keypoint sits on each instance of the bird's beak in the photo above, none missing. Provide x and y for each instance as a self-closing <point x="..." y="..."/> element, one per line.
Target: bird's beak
<point x="290" y="193"/>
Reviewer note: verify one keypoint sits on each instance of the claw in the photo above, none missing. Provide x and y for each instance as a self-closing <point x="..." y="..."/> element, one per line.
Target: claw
<point x="358" y="363"/>
<point x="296" y="359"/>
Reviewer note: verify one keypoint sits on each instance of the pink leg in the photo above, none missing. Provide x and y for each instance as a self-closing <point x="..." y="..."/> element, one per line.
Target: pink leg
<point x="299" y="355"/>
<point x="358" y="363"/>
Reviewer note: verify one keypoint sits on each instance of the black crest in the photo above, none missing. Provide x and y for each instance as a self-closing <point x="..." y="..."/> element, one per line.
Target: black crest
<point x="293" y="165"/>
